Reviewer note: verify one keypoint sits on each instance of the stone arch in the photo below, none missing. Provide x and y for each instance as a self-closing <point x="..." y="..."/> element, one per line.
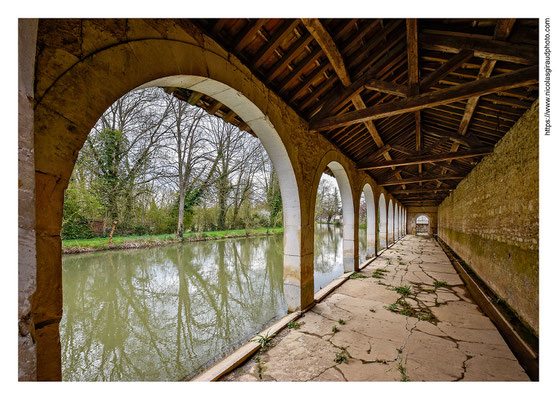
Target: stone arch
<point x="396" y="223"/>
<point x="68" y="108"/>
<point x="349" y="221"/>
<point x="382" y="222"/>
<point x="390" y="223"/>
<point x="371" y="247"/>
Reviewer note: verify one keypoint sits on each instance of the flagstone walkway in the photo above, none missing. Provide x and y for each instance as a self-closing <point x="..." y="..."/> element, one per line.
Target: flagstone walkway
<point x="407" y="316"/>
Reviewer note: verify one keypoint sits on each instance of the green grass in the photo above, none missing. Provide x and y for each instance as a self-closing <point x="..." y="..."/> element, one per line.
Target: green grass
<point x="379" y="273"/>
<point x="439" y="284"/>
<point x="404" y="290"/>
<point x="102" y="242"/>
<point x="357" y="275"/>
<point x="293" y="325"/>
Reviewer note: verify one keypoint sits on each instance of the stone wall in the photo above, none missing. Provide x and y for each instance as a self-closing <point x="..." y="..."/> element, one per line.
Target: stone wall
<point x="491" y="219"/>
<point x="415" y="212"/>
<point x="27" y="37"/>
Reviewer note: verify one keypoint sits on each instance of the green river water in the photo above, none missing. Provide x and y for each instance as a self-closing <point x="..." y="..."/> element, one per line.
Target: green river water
<point x="165" y="313"/>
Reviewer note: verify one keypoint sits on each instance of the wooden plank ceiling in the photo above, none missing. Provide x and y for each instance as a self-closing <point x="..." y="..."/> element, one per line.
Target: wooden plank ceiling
<point x="415" y="103"/>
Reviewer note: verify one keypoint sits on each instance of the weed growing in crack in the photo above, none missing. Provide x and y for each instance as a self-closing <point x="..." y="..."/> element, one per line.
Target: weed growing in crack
<point x="263" y="340"/>
<point x="341" y="357"/>
<point x="402" y="370"/>
<point x="379" y="273"/>
<point x="293" y="325"/>
<point x="439" y="284"/>
<point x="428" y="317"/>
<point x="392" y="307"/>
<point x="341" y="321"/>
<point x="402" y="263"/>
<point x="334" y="329"/>
<point x="399" y="350"/>
<point x="403" y="290"/>
<point x="357" y="275"/>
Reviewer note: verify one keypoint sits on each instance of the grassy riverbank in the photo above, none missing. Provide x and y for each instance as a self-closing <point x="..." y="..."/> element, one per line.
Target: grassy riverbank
<point x="71" y="246"/>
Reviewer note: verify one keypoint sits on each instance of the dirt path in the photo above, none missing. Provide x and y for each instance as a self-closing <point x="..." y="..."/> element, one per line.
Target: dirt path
<point x="407" y="317"/>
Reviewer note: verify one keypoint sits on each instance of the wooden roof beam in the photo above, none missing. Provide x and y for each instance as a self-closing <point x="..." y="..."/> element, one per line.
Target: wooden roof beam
<point x="248" y="33"/>
<point x="502" y="31"/>
<point x="468" y="140"/>
<point x="414" y="191"/>
<point x="522" y="77"/>
<point x="497" y="50"/>
<point x="445" y="69"/>
<point x="324" y="39"/>
<point x="414" y="75"/>
<point x="327" y="44"/>
<point x="302" y="42"/>
<point x="422" y="179"/>
<point x="286" y="27"/>
<point x="413" y="160"/>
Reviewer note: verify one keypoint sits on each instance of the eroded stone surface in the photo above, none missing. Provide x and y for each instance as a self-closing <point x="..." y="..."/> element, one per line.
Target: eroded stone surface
<point x="410" y="318"/>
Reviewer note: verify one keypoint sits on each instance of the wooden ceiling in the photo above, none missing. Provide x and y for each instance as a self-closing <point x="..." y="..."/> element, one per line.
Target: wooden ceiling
<point x="415" y="103"/>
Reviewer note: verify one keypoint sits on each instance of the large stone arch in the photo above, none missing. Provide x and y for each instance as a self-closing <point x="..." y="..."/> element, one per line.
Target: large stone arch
<point x="371" y="227"/>
<point x="67" y="109"/>
<point x="339" y="168"/>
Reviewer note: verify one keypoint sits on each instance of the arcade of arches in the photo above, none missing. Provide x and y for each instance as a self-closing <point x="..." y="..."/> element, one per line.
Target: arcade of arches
<point x="70" y="71"/>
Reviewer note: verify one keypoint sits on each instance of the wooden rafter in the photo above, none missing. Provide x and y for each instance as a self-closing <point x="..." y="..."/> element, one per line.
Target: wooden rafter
<point x="248" y="33"/>
<point x="283" y="31"/>
<point x="329" y="47"/>
<point x="502" y="31"/>
<point x="413" y="160"/>
<point x="418" y="180"/>
<point x="497" y="50"/>
<point x="302" y="42"/>
<point x="445" y="69"/>
<point x="522" y="77"/>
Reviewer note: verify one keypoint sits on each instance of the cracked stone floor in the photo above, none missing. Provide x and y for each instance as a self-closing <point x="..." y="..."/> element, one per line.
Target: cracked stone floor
<point x="407" y="316"/>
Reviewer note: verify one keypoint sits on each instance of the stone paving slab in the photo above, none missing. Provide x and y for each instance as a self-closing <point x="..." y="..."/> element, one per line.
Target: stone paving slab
<point x="409" y="318"/>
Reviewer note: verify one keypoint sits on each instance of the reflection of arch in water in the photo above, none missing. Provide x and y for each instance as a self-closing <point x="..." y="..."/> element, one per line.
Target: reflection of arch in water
<point x="382" y="214"/>
<point x="370" y="249"/>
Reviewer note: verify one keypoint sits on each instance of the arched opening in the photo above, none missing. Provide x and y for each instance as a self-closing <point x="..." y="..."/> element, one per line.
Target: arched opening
<point x="334" y="228"/>
<point x="138" y="299"/>
<point x="404" y="222"/>
<point x="396" y="231"/>
<point x="390" y="223"/>
<point x="367" y="246"/>
<point x="79" y="97"/>
<point x="382" y="222"/>
<point x="422" y="225"/>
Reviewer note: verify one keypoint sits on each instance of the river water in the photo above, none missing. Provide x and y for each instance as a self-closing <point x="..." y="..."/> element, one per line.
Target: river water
<point x="164" y="313"/>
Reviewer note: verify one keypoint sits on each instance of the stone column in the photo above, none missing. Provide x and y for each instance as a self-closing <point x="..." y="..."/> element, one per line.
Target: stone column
<point x="27" y="263"/>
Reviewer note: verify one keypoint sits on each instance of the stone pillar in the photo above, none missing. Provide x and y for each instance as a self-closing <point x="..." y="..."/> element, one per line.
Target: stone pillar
<point x="298" y="266"/>
<point x="27" y="263"/>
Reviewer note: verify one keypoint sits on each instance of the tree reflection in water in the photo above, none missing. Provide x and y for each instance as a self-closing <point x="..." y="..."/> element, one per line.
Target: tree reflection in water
<point x="164" y="313"/>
